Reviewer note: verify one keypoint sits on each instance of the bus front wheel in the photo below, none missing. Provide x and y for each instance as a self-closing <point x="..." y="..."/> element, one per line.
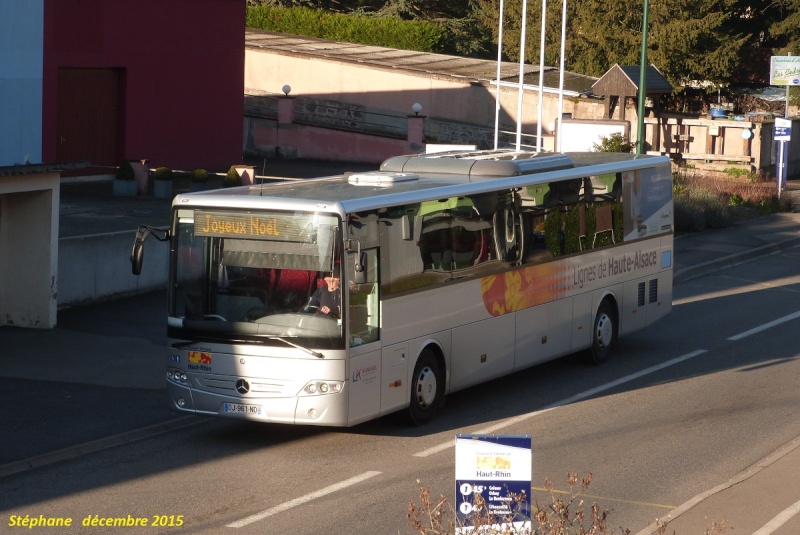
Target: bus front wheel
<point x="604" y="333"/>
<point x="426" y="391"/>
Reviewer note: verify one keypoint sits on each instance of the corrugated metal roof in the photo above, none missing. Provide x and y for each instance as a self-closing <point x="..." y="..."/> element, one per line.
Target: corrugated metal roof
<point x="423" y="63"/>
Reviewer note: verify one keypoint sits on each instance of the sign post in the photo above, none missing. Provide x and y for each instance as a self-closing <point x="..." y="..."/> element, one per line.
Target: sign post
<point x="498" y="469"/>
<point x="784" y="70"/>
<point x="782" y="134"/>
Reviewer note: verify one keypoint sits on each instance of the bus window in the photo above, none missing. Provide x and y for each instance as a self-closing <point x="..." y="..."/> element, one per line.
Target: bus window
<point x="435" y="242"/>
<point x="244" y="274"/>
<point x="535" y="237"/>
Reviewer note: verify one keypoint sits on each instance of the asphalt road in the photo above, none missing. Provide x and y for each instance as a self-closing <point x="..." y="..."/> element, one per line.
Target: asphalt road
<point x="691" y="402"/>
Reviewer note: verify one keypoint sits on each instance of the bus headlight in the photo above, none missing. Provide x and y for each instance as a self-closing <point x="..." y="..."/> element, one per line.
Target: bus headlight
<point x="319" y="388"/>
<point x="176" y="376"/>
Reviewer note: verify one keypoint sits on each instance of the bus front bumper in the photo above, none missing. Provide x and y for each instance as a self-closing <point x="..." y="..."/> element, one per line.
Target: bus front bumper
<point x="327" y="410"/>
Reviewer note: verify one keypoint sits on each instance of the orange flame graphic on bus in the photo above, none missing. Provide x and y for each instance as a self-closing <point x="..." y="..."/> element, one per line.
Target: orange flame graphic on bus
<point x="525" y="287"/>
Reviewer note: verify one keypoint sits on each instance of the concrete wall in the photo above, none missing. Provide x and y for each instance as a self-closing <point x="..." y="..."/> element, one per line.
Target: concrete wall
<point x="444" y="98"/>
<point x="28" y="252"/>
<point x="97" y="267"/>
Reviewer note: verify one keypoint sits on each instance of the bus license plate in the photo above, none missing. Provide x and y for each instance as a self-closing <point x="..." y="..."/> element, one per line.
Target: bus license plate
<point x="238" y="408"/>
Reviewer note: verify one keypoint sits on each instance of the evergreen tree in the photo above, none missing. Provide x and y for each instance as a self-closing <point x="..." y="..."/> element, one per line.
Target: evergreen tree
<point x="703" y="40"/>
<point x="784" y="30"/>
<point x="687" y="39"/>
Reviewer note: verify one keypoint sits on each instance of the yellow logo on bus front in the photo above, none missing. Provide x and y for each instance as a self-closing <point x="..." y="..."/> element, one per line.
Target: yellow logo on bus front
<point x="199" y="357"/>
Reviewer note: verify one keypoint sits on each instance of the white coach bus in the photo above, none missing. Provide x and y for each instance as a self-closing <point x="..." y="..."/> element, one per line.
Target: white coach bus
<point x="336" y="300"/>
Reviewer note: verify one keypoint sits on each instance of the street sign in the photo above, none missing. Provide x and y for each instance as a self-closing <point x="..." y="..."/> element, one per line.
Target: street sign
<point x="498" y="469"/>
<point x="783" y="129"/>
<point x="784" y="70"/>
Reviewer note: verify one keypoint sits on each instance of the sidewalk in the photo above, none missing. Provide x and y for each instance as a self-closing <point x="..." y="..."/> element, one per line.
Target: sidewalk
<point x="107" y="360"/>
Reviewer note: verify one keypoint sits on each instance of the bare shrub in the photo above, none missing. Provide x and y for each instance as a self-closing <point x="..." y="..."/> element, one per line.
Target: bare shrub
<point x="716" y="202"/>
<point x="564" y="513"/>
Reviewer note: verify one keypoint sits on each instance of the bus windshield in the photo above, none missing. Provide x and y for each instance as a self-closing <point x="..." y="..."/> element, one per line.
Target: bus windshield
<point x="256" y="276"/>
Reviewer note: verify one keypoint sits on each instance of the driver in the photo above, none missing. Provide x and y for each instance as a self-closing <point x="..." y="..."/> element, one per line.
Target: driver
<point x="328" y="298"/>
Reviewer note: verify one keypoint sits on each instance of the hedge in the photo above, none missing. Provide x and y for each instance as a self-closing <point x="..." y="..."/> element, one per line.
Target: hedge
<point x="388" y="32"/>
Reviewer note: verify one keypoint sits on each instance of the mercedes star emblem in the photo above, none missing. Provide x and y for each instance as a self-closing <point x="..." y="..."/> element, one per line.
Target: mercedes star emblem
<point x="242" y="386"/>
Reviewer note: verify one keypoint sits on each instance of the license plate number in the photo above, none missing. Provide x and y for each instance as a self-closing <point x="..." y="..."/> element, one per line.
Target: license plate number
<point x="239" y="408"/>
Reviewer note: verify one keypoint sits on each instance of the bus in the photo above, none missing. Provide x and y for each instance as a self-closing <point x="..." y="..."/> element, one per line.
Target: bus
<point x="448" y="269"/>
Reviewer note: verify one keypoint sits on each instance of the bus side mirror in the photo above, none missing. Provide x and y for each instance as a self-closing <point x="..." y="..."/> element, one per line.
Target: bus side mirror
<point x="137" y="254"/>
<point x="360" y="265"/>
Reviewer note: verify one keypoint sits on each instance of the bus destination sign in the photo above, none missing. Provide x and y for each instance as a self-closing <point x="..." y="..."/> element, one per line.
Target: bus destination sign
<point x="254" y="226"/>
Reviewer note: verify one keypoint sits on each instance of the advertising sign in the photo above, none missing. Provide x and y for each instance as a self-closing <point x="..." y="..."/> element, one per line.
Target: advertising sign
<point x="784" y="70"/>
<point x="498" y="469"/>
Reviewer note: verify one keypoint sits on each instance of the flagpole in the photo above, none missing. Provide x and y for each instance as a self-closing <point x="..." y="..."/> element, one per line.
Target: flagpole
<point x="497" y="91"/>
<point x="642" y="83"/>
<point x="521" y="71"/>
<point x="561" y="76"/>
<point x="541" y="79"/>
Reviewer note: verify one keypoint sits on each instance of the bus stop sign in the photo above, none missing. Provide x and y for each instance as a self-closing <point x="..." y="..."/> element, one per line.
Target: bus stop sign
<point x="783" y="129"/>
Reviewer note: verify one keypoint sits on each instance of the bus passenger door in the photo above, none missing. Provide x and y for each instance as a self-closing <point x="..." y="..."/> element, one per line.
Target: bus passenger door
<point x="363" y="330"/>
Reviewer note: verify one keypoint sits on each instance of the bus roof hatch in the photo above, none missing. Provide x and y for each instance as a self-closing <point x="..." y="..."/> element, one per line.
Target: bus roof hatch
<point x="477" y="164"/>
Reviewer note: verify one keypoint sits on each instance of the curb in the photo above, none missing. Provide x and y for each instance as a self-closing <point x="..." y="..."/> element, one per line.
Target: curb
<point x="773" y="457"/>
<point x="72" y="452"/>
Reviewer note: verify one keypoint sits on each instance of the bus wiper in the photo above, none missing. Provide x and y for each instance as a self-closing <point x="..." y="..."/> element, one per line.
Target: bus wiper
<point x="301" y="348"/>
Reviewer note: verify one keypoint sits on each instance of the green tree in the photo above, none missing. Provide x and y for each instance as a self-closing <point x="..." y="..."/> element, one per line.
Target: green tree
<point x="489" y="15"/>
<point x="597" y="43"/>
<point x="696" y="40"/>
<point x="466" y="35"/>
<point x="784" y="29"/>
<point x="687" y="39"/>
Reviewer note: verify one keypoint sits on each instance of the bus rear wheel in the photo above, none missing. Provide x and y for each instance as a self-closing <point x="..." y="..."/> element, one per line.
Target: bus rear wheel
<point x="426" y="390"/>
<point x="604" y="333"/>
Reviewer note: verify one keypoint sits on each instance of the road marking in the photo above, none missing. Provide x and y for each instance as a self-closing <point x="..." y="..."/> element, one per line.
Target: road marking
<point x="779" y="520"/>
<point x="766" y="326"/>
<point x="302" y="499"/>
<point x="603" y="499"/>
<point x="577" y="397"/>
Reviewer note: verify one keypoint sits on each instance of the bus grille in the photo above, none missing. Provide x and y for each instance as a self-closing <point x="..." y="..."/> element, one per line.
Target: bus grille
<point x="226" y="386"/>
<point x="653" y="291"/>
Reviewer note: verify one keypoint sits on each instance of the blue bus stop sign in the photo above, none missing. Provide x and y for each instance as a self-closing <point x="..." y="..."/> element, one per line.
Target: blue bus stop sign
<point x="783" y="129"/>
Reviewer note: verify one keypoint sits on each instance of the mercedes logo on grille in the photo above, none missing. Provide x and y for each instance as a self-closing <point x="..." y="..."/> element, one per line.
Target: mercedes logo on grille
<point x="242" y="386"/>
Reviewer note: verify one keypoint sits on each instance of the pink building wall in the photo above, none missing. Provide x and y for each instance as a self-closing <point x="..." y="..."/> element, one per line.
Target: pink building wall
<point x="316" y="143"/>
<point x="183" y="63"/>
